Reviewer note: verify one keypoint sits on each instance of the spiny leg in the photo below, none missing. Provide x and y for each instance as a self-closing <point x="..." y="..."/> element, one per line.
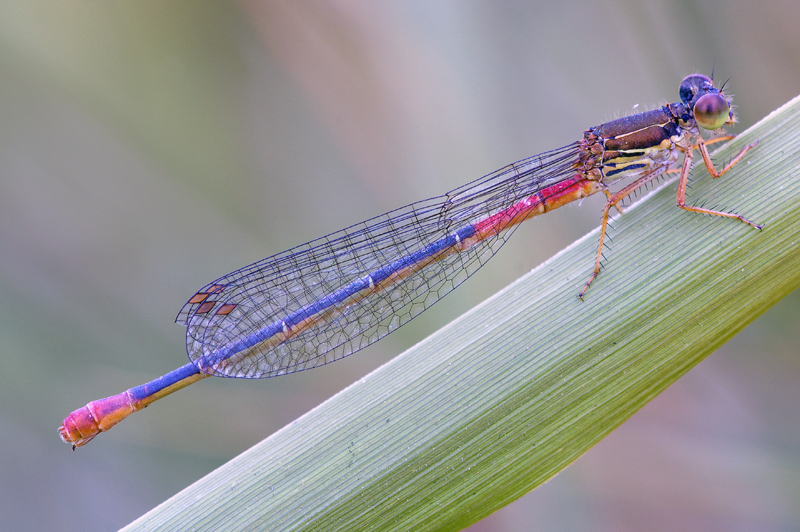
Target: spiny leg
<point x="701" y="145"/>
<point x="608" y="196"/>
<point x="687" y="165"/>
<point x="709" y="143"/>
<point x="613" y="199"/>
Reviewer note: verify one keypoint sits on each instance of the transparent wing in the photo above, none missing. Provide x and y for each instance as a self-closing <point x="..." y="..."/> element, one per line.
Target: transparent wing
<point x="321" y="301"/>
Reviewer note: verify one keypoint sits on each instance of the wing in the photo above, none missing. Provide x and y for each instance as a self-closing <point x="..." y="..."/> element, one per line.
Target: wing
<point x="323" y="300"/>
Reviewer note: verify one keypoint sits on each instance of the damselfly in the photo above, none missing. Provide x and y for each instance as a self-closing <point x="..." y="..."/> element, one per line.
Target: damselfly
<point x="321" y="301"/>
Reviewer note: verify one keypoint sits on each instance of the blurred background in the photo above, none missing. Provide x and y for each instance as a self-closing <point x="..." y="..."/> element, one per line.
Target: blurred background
<point x="148" y="147"/>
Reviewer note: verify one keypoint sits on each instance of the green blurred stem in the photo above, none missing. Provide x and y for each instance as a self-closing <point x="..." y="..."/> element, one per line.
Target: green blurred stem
<point x="503" y="398"/>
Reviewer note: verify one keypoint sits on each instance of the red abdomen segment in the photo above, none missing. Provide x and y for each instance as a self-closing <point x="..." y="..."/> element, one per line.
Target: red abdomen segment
<point x="85" y="423"/>
<point x="547" y="199"/>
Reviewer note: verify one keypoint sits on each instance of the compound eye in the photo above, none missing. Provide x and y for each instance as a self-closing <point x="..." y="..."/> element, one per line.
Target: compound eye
<point x="692" y="84"/>
<point x="711" y="111"/>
